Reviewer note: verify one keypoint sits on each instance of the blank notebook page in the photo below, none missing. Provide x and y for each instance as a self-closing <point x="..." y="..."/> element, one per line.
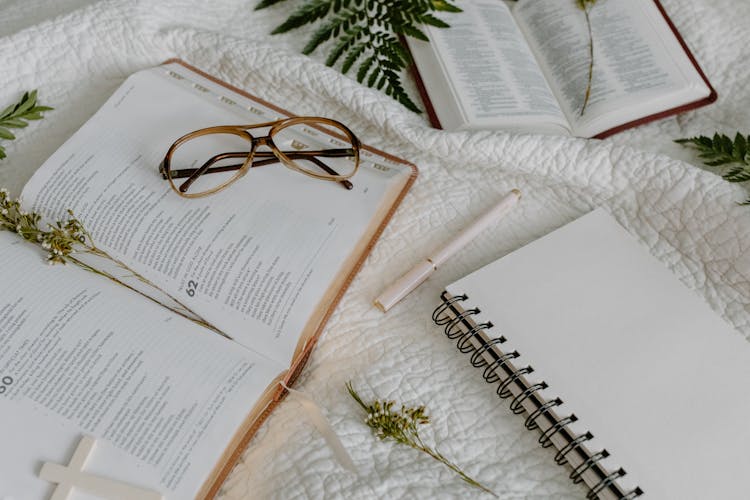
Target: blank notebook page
<point x="660" y="379"/>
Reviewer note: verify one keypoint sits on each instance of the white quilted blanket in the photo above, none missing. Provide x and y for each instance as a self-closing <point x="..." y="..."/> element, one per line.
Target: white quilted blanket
<point x="77" y="52"/>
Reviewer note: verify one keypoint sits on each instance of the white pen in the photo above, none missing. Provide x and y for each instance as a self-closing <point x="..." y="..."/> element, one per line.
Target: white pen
<point x="419" y="273"/>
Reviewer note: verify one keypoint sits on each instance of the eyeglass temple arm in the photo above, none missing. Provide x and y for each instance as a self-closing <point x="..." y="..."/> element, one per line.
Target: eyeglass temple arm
<point x="271" y="158"/>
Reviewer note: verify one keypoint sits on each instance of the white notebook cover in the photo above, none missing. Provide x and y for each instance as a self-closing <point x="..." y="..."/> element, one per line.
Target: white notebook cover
<point x="660" y="379"/>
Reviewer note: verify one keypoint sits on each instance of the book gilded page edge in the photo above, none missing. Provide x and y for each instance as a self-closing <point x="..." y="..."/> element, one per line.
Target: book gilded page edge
<point x="274" y="394"/>
<point x="712" y="96"/>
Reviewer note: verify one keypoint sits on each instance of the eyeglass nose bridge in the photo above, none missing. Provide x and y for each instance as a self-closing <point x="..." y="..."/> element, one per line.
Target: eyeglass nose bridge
<point x="254" y="143"/>
<point x="262" y="141"/>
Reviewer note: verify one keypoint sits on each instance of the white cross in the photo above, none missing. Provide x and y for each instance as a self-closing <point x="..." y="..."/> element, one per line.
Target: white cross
<point x="72" y="476"/>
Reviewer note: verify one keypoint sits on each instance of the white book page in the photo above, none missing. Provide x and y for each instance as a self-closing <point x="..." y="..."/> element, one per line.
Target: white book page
<point x="78" y="354"/>
<point x="657" y="377"/>
<point x="255" y="259"/>
<point x="639" y="66"/>
<point x="480" y="73"/>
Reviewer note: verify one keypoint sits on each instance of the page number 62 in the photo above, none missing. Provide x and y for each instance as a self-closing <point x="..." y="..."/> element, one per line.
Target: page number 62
<point x="192" y="286"/>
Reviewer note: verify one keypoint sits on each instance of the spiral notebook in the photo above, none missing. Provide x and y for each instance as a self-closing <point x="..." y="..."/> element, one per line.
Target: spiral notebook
<point x="637" y="385"/>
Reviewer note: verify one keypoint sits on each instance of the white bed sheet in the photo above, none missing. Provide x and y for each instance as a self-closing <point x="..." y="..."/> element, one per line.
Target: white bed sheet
<point x="78" y="51"/>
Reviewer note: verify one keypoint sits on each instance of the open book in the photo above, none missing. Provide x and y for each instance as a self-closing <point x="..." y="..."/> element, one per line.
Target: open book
<point x="265" y="261"/>
<point x="524" y="66"/>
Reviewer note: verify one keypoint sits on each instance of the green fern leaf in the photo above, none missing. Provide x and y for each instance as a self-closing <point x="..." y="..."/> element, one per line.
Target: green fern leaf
<point x="343" y="46"/>
<point x="352" y="56"/>
<point x="305" y="14"/>
<point x="367" y="31"/>
<point x="376" y="72"/>
<point x="267" y="3"/>
<point x="442" y="5"/>
<point x="740" y="146"/>
<point x="413" y="32"/>
<point x="433" y="21"/>
<point x="364" y="68"/>
<point x="322" y="34"/>
<point x="723" y="151"/>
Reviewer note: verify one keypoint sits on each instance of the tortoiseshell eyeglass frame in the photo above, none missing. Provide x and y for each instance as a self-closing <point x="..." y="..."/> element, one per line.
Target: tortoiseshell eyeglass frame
<point x="254" y="158"/>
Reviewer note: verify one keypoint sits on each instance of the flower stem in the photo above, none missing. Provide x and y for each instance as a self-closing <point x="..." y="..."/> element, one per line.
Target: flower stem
<point x="591" y="61"/>
<point x="183" y="310"/>
<point x="187" y="313"/>
<point x="455" y="468"/>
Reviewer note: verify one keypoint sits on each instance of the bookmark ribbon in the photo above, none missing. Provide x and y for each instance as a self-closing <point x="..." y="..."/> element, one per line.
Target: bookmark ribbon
<point x="316" y="417"/>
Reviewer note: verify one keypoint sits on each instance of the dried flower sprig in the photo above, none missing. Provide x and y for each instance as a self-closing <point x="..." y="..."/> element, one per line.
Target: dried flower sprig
<point x="66" y="241"/>
<point x="586" y="6"/>
<point x="403" y="427"/>
<point x="18" y="115"/>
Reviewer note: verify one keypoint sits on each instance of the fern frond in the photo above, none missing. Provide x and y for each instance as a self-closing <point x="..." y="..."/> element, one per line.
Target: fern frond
<point x="305" y="14"/>
<point x="345" y="43"/>
<point x="352" y="56"/>
<point x="327" y="30"/>
<point x="365" y="33"/>
<point x="721" y="151"/>
<point x="364" y="68"/>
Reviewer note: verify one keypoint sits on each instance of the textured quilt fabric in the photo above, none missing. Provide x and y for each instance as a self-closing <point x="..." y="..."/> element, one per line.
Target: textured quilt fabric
<point x="77" y="52"/>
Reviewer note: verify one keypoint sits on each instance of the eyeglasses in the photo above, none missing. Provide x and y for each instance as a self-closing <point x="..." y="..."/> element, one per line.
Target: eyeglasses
<point x="208" y="160"/>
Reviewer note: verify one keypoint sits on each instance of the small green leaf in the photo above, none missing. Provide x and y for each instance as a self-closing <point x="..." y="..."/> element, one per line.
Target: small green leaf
<point x="32" y="116"/>
<point x="414" y="33"/>
<point x="28" y="102"/>
<point x="373" y="77"/>
<point x="434" y="21"/>
<point x="352" y="57"/>
<point x="364" y="68"/>
<point x="7" y="111"/>
<point x="6" y="134"/>
<point x="13" y="122"/>
<point x="267" y="3"/>
<point x="444" y="6"/>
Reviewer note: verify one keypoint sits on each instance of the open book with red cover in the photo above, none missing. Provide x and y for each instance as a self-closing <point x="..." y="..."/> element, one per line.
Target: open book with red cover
<point x="172" y="403"/>
<point x="524" y="66"/>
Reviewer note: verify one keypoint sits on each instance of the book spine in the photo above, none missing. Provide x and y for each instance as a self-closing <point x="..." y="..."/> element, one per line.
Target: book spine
<point x="502" y="367"/>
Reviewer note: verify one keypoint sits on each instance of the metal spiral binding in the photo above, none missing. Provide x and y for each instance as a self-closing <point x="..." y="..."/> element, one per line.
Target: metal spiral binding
<point x="459" y="326"/>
